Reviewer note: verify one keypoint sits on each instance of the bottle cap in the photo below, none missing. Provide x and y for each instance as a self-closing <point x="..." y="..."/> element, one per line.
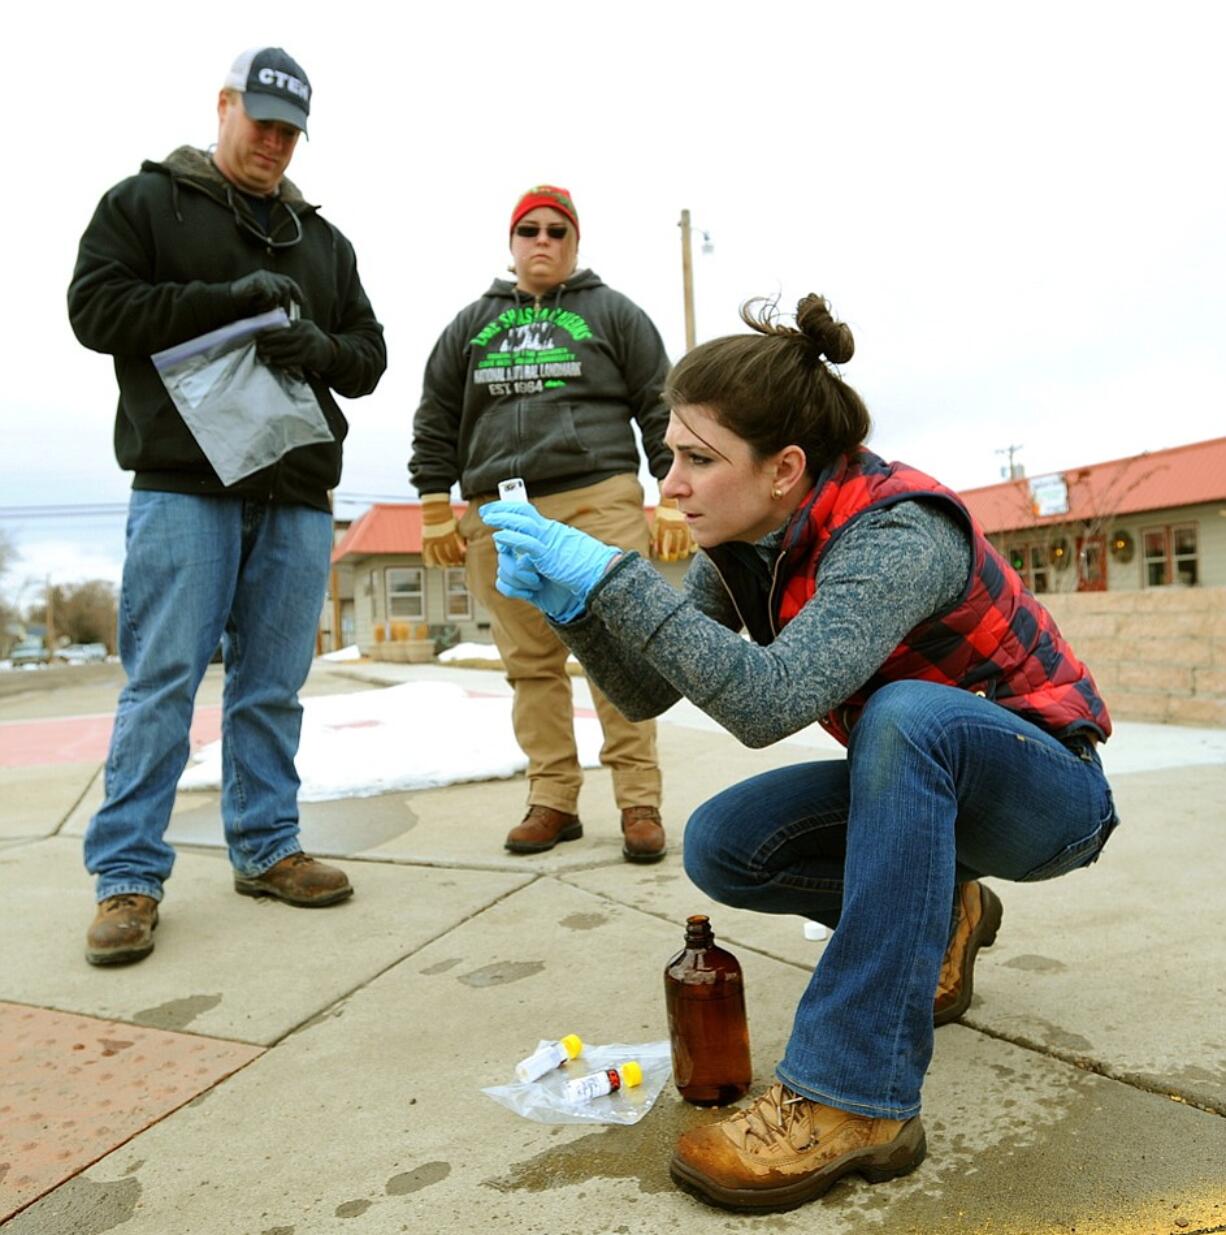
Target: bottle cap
<point x="631" y="1074"/>
<point x="573" y="1044"/>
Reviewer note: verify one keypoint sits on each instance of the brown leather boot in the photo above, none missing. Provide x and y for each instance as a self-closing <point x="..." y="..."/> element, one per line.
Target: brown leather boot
<point x="978" y="912"/>
<point x="642" y="834"/>
<point x="122" y="930"/>
<point x="541" y="828"/>
<point x="298" y="880"/>
<point x="784" y="1150"/>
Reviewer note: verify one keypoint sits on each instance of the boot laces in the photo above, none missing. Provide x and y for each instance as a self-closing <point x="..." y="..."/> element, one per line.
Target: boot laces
<point x="125" y="900"/>
<point x="773" y="1116"/>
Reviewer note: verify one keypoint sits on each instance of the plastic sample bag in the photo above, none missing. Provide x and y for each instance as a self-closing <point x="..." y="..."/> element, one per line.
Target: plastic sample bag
<point x="243" y="414"/>
<point x="545" y="1100"/>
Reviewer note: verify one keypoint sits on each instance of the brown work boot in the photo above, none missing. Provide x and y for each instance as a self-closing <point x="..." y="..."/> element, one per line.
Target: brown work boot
<point x="541" y="828"/>
<point x="784" y="1150"/>
<point x="298" y="880"/>
<point x="977" y="914"/>
<point x="642" y="834"/>
<point x="122" y="930"/>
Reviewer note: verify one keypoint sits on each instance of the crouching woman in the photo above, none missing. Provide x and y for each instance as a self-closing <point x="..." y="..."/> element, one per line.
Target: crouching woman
<point x="875" y="606"/>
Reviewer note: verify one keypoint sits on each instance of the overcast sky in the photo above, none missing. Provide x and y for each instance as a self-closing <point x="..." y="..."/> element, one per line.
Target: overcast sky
<point x="1018" y="208"/>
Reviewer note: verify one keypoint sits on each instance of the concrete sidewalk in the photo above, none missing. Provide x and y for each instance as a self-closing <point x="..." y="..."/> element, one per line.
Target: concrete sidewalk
<point x="269" y="1071"/>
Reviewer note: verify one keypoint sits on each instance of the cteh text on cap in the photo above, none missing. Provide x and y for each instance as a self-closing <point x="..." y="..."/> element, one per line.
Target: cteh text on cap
<point x="273" y="86"/>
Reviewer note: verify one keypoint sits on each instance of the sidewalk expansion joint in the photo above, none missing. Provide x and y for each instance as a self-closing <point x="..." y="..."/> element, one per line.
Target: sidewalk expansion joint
<point x="1085" y="1064"/>
<point x="323" y="1014"/>
<point x="68" y="814"/>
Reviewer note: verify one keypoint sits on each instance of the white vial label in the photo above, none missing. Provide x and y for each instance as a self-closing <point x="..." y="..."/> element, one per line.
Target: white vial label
<point x="594" y="1085"/>
<point x="513" y="490"/>
<point x="543" y="1059"/>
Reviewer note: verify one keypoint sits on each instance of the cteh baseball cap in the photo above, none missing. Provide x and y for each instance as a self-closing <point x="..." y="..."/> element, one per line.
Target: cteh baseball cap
<point x="272" y="84"/>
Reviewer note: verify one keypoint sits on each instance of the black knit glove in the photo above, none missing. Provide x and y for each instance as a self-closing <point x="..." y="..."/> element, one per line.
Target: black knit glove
<point x="261" y="290"/>
<point x="300" y="345"/>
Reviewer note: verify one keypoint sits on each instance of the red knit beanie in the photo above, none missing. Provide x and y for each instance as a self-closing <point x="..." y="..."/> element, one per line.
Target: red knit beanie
<point x="546" y="195"/>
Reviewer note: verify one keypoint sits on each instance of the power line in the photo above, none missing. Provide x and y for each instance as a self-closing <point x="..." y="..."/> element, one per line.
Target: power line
<point x="65" y="511"/>
<point x="110" y="510"/>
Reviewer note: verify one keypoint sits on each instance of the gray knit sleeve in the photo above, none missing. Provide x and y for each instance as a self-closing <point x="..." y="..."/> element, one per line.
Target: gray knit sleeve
<point x="645" y="644"/>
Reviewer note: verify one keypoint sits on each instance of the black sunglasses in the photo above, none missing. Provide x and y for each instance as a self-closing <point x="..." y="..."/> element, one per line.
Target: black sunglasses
<point x="555" y="231"/>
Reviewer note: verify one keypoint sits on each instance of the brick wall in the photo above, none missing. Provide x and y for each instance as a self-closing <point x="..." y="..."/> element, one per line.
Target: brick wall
<point x="1157" y="654"/>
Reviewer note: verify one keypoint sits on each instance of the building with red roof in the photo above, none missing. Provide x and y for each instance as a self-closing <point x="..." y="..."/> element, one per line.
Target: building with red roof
<point x="1156" y="519"/>
<point x="382" y="590"/>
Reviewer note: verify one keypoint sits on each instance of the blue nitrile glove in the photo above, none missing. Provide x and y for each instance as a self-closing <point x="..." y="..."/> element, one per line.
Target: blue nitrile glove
<point x="520" y="580"/>
<point x="561" y="554"/>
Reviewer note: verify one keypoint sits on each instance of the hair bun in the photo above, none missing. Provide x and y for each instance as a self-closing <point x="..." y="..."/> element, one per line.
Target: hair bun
<point x="833" y="339"/>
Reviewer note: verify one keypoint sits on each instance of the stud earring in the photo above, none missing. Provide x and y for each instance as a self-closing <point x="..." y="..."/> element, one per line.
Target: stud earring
<point x="776" y="493"/>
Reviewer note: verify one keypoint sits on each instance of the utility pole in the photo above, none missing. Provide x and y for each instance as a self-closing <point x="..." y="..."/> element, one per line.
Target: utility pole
<point x="50" y="607"/>
<point x="687" y="272"/>
<point x="1014" y="470"/>
<point x="687" y="279"/>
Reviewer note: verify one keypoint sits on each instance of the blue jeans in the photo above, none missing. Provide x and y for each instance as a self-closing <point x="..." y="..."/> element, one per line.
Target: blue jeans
<point x="200" y="570"/>
<point x="939" y="786"/>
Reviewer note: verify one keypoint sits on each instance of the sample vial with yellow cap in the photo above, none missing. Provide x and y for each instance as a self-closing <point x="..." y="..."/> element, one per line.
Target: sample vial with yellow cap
<point x="547" y="1057"/>
<point x="597" y="1084"/>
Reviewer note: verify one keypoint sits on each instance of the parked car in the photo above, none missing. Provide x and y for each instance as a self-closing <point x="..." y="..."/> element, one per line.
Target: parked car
<point x="29" y="652"/>
<point x="82" y="653"/>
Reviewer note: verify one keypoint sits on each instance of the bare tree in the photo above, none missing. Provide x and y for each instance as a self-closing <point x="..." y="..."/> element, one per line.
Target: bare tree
<point x="1054" y="543"/>
<point x="84" y="612"/>
<point x="10" y="618"/>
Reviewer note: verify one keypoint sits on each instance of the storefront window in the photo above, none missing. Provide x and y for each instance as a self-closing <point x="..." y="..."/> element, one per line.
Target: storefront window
<point x="1171" y="555"/>
<point x="459" y="602"/>
<point x="406" y="597"/>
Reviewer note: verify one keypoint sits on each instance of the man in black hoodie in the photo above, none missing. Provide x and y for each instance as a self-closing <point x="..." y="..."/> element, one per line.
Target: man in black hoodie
<point x="180" y="249"/>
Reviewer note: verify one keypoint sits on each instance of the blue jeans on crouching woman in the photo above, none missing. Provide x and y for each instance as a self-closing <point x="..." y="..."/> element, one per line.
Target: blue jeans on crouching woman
<point x="939" y="786"/>
<point x="199" y="570"/>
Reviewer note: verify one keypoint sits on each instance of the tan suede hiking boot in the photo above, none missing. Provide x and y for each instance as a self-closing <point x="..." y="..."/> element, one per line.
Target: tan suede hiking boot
<point x="298" y="880"/>
<point x="541" y="828"/>
<point x="122" y="930"/>
<point x="784" y="1150"/>
<point x="642" y="834"/>
<point x="978" y="916"/>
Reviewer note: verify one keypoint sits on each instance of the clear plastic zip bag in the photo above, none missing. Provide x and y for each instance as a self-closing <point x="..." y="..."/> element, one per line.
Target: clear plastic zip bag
<point x="546" y="1100"/>
<point x="244" y="415"/>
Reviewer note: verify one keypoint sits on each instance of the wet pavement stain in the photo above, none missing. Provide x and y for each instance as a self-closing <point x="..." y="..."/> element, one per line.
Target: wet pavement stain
<point x="177" y="1013"/>
<point x="352" y="1209"/>
<point x="80" y="1206"/>
<point x="1035" y="964"/>
<point x="1061" y="1040"/>
<point x="583" y="921"/>
<point x="640" y="1152"/>
<point x="1050" y="1170"/>
<point x="278" y="1230"/>
<point x="502" y="972"/>
<point x="441" y="967"/>
<point x="414" y="1181"/>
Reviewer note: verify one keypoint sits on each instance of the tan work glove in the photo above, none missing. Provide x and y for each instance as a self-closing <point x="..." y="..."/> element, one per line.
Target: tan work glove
<point x="441" y="542"/>
<point x="671" y="539"/>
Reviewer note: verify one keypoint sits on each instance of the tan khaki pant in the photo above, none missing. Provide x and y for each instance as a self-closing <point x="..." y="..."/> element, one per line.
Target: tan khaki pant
<point x="535" y="658"/>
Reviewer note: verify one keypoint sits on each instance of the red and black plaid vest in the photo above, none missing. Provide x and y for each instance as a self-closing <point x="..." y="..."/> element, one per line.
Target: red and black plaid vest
<point x="996" y="640"/>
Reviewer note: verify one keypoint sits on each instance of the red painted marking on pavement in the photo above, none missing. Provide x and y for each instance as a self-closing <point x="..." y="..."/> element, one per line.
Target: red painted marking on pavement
<point x="80" y="739"/>
<point x="75" y="1088"/>
<point x="86" y="739"/>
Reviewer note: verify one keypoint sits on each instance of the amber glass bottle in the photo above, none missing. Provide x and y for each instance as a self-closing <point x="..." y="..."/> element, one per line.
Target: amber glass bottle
<point x="705" y="996"/>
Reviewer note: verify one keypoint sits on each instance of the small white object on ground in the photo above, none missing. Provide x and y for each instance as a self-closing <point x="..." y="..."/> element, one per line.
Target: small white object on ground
<point x="815" y="931"/>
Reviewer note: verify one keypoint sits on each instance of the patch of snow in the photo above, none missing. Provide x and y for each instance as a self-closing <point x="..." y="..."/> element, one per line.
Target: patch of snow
<point x="419" y="735"/>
